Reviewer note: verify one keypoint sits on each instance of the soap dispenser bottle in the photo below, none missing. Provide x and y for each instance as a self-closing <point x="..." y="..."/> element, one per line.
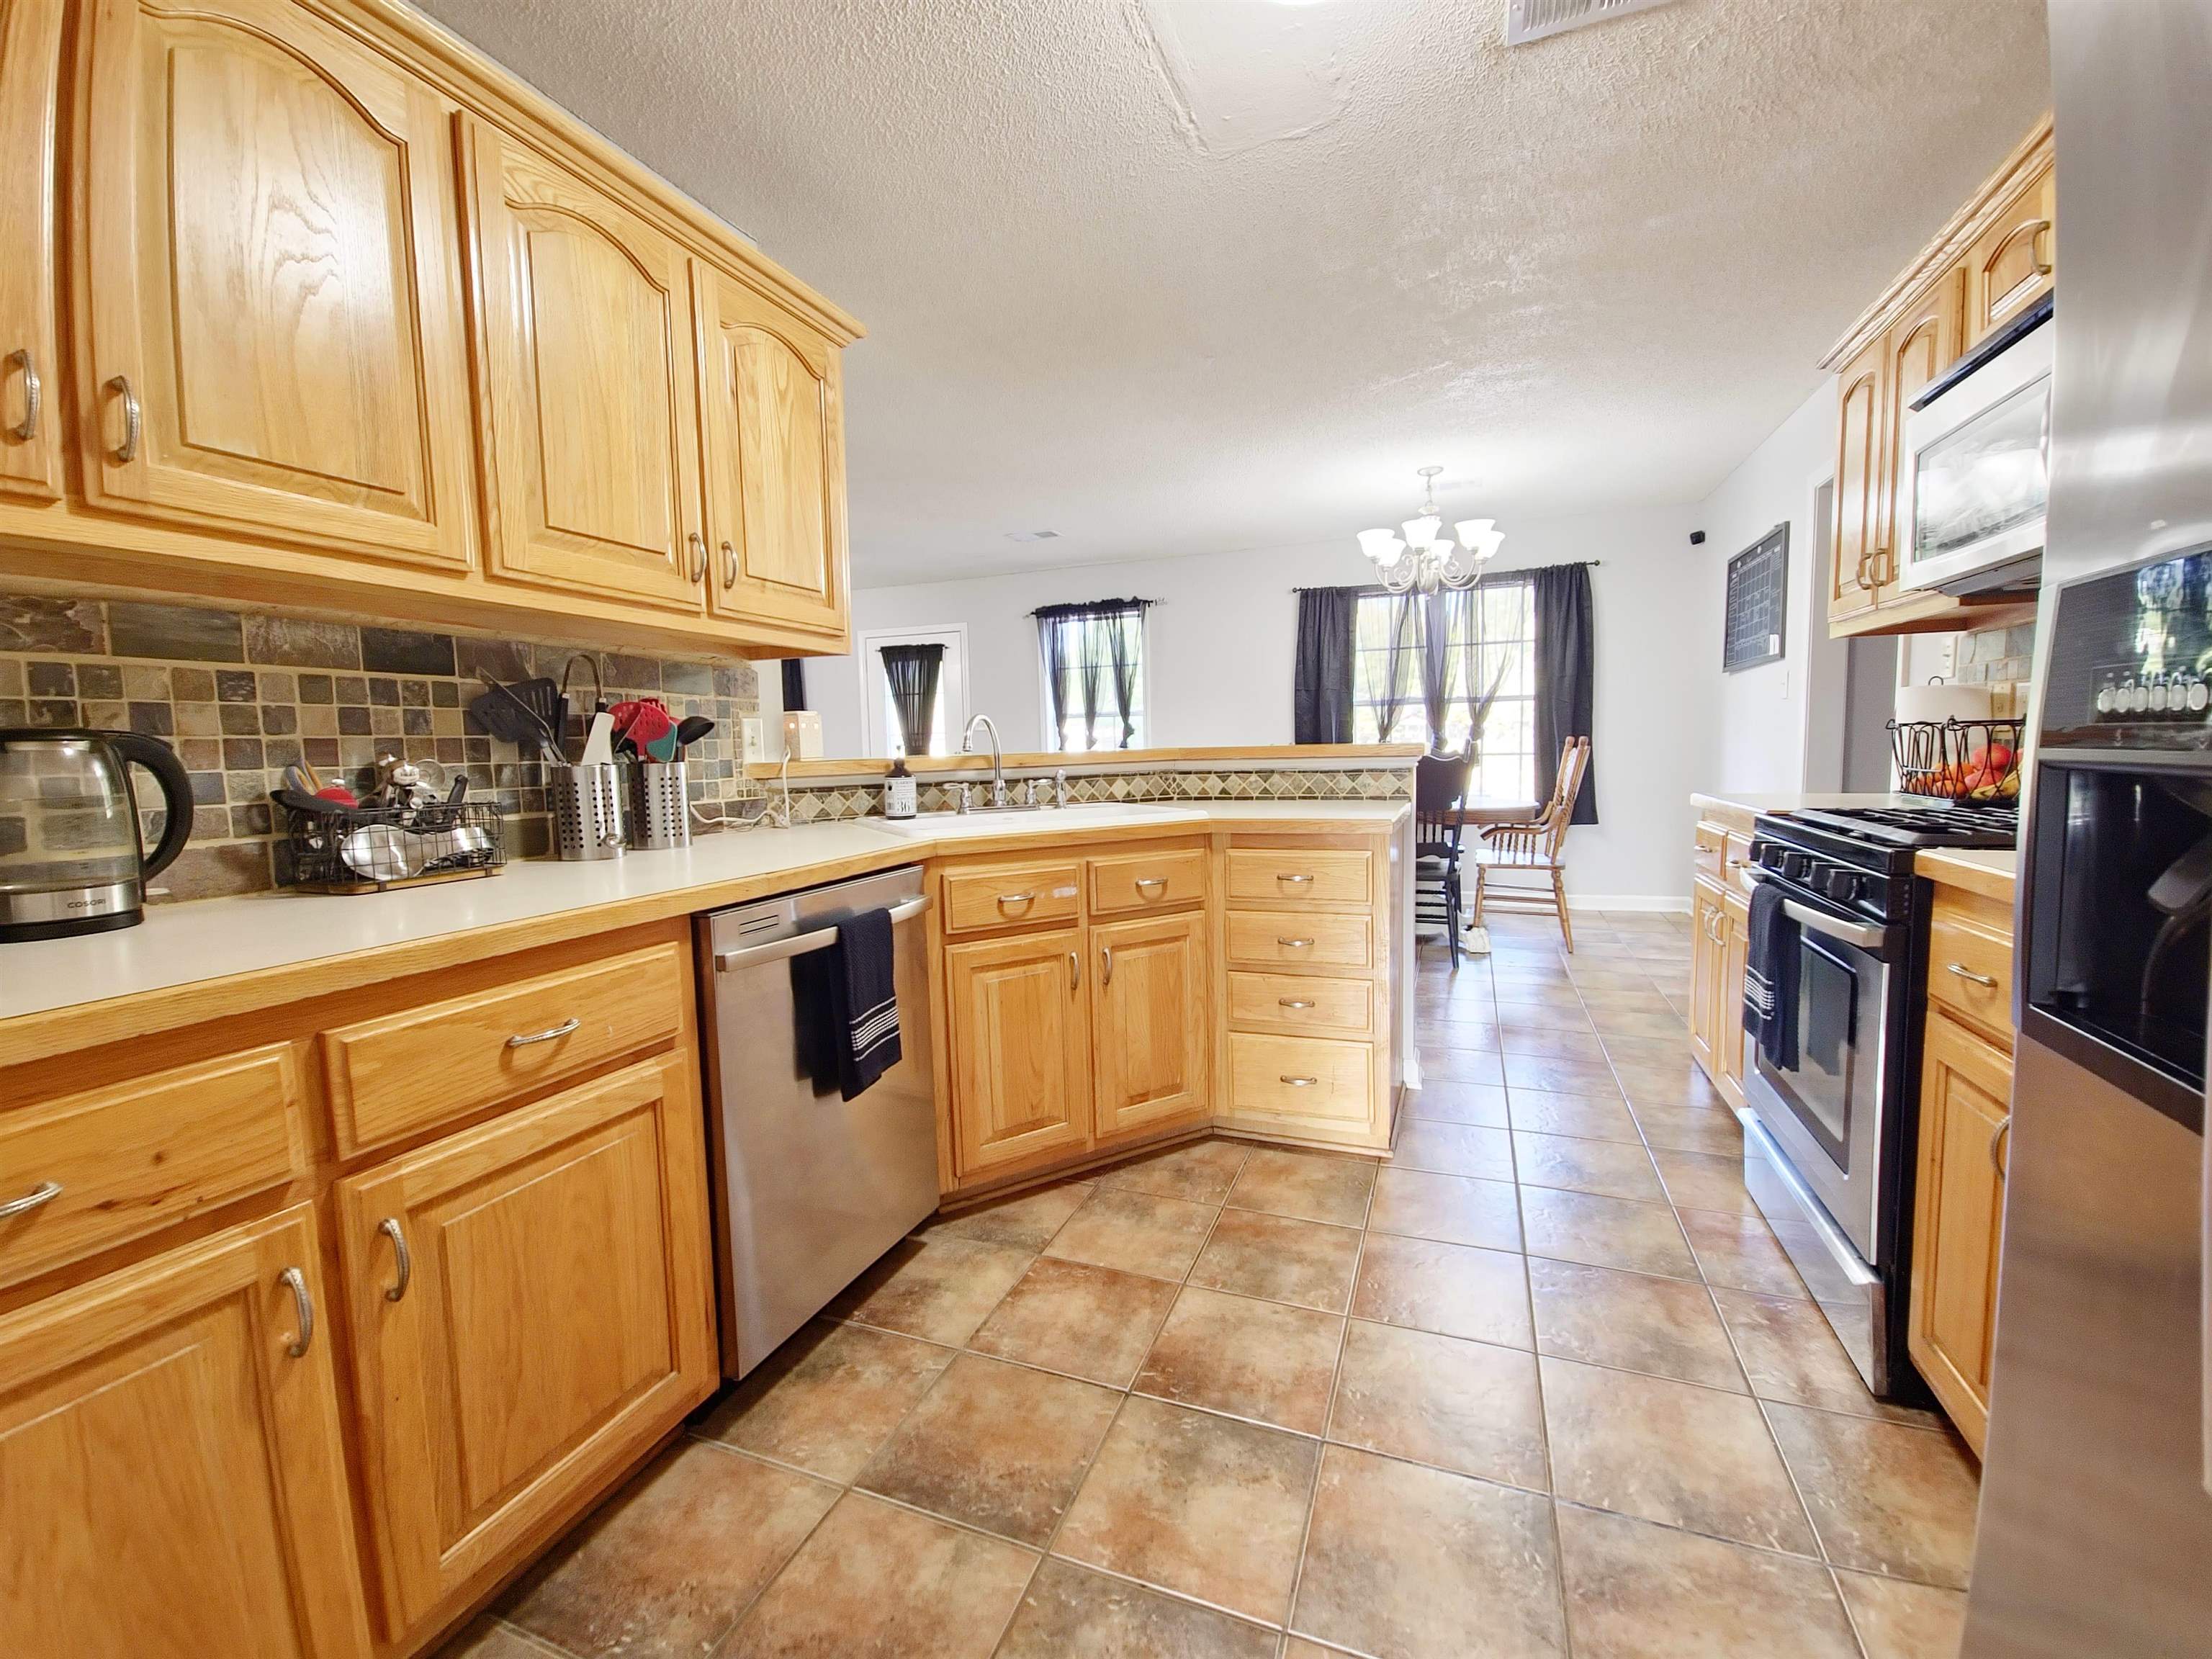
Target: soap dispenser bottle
<point x="898" y="790"/>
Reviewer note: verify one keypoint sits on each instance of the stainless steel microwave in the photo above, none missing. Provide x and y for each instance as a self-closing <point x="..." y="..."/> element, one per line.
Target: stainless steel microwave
<point x="1976" y="480"/>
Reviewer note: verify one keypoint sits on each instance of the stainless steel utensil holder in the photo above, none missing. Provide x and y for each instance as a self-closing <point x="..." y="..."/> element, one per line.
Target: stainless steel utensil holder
<point x="589" y="810"/>
<point x="660" y="807"/>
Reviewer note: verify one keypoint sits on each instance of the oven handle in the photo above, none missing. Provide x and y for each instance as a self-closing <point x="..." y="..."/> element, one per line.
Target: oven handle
<point x="1852" y="932"/>
<point x="799" y="945"/>
<point x="1841" y="1249"/>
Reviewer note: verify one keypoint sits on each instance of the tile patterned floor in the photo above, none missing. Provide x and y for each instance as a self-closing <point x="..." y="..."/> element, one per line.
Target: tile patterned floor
<point x="1546" y="1385"/>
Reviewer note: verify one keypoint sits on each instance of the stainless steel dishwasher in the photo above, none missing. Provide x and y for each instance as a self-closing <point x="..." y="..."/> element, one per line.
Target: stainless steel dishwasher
<point x="810" y="1188"/>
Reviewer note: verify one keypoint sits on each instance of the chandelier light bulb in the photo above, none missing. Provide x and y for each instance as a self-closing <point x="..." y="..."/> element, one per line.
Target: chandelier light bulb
<point x="1380" y="545"/>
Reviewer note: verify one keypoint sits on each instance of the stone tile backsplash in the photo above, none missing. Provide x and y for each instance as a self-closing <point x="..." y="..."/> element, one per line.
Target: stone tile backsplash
<point x="817" y="803"/>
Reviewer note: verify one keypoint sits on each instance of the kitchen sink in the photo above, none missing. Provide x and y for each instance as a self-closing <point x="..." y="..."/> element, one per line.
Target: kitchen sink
<point x="1014" y="821"/>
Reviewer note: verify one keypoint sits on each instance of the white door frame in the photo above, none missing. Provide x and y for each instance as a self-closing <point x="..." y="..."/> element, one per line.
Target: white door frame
<point x="868" y="651"/>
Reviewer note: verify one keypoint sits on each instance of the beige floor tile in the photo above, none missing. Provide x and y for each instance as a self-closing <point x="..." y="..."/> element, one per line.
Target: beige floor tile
<point x="828" y="1398"/>
<point x="1461" y="1149"/>
<point x="1692" y="1129"/>
<point x="878" y="1581"/>
<point x="1578" y="1048"/>
<point x="938" y="1289"/>
<point x="485" y="1637"/>
<point x="1667" y="1052"/>
<point x="1264" y="1360"/>
<point x="1611" y="1169"/>
<point x="1280" y="1259"/>
<point x="1561" y="1077"/>
<point x="1885" y="1498"/>
<point x="1134" y="1232"/>
<point x="1527" y="995"/>
<point x="1458" y="1102"/>
<point x="1454" y="1209"/>
<point x="1421" y="1565"/>
<point x="1196" y="1503"/>
<point x="1665" y="1327"/>
<point x="1199" y="1173"/>
<point x="1072" y="1612"/>
<point x="1672" y="1085"/>
<point x="1670" y="1452"/>
<point x="1482" y="1295"/>
<point x="1605" y="1232"/>
<point x="1460" y="1405"/>
<point x="1704" y="1181"/>
<point x="669" y="1564"/>
<point x="1898" y="1621"/>
<point x="1479" y="1035"/>
<point x="1790" y="1354"/>
<point x="1091" y="1323"/>
<point x="1024" y="1223"/>
<point x="1740" y="1252"/>
<point x="1653" y="1018"/>
<point x="1638" y="1591"/>
<point x="1461" y="1065"/>
<point x="999" y="1447"/>
<point x="1591" y="1117"/>
<point x="1309" y="1186"/>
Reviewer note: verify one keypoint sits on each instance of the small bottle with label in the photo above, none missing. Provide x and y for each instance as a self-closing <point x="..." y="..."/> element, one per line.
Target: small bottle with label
<point x="898" y="790"/>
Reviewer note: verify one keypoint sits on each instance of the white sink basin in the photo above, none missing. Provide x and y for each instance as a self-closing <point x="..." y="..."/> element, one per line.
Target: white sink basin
<point x="1047" y="820"/>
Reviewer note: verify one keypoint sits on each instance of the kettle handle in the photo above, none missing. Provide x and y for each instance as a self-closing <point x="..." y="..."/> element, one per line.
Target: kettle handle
<point x="168" y="771"/>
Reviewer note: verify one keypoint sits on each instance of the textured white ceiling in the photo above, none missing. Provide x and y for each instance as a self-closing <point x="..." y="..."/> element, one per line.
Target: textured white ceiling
<point x="1183" y="276"/>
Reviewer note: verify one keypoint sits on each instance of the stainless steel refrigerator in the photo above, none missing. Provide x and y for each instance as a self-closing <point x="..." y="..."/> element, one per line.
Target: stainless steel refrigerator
<point x="2095" y="1540"/>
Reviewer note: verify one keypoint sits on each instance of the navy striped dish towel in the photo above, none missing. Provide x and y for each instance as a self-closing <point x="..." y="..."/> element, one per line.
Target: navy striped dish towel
<point x="864" y="1002"/>
<point x="1770" y="978"/>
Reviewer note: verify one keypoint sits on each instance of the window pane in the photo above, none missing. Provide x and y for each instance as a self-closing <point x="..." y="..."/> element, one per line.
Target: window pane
<point x="1085" y="646"/>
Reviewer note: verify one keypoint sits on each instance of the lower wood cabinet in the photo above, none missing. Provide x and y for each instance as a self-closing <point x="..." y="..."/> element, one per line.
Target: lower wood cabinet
<point x="1150" y="1034"/>
<point x="1708" y="948"/>
<point x="1019" y="1046"/>
<point x="530" y="1309"/>
<point x="173" y="1474"/>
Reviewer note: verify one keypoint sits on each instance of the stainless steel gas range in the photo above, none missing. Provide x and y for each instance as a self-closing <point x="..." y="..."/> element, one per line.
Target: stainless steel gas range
<point x="1827" y="1143"/>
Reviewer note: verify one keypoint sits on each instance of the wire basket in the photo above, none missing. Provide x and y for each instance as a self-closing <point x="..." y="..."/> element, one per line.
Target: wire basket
<point x="360" y="849"/>
<point x="1958" y="760"/>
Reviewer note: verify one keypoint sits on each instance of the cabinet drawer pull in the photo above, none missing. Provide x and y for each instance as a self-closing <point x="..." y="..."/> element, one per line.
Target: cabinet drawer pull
<point x="1294" y="881"/>
<point x="729" y="564"/>
<point x="548" y="1035"/>
<point x="296" y="1281"/>
<point x="404" y="1258"/>
<point x="1297" y="1082"/>
<point x="1005" y="899"/>
<point x="33" y="395"/>
<point x="1294" y="1002"/>
<point x="1293" y="944"/>
<point x="1152" y="881"/>
<point x="44" y="1193"/>
<point x="1996" y="1146"/>
<point x="698" y="557"/>
<point x="133" y="419"/>
<point x="1966" y="973"/>
<point x="1107" y="976"/>
<point x="1074" y="970"/>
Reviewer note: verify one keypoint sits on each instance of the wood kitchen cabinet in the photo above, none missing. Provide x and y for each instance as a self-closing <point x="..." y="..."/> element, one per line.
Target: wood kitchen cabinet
<point x="1018" y="1039"/>
<point x="270" y="278"/>
<point x="1863" y="397"/>
<point x="2013" y="261"/>
<point x="1149" y="1034"/>
<point x="173" y="1471"/>
<point x="1720" y="943"/>
<point x="30" y="409"/>
<point x="1708" y="945"/>
<point x="1729" y="1032"/>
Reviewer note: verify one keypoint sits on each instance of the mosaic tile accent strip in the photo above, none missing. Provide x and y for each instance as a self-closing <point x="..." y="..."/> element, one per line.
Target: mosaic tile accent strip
<point x="821" y="805"/>
<point x="240" y="695"/>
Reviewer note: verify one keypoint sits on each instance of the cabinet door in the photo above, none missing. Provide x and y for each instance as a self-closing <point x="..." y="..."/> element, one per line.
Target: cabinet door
<point x="1151" y="1021"/>
<point x="554" y="1317"/>
<point x="1020" y="1048"/>
<point x="2015" y="260"/>
<point x="775" y="460"/>
<point x="1727" y="996"/>
<point x="1966" y="1090"/>
<point x="30" y="365"/>
<point x="272" y="265"/>
<point x="172" y="1474"/>
<point x="1708" y="942"/>
<point x="1921" y="345"/>
<point x="593" y="396"/>
<point x="1862" y="447"/>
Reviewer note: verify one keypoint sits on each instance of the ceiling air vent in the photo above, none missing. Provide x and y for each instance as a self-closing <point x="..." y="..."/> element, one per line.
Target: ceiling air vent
<point x="1033" y="535"/>
<point x="1533" y="19"/>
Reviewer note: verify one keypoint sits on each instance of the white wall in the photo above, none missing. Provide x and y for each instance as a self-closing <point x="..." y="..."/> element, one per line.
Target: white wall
<point x="1223" y="639"/>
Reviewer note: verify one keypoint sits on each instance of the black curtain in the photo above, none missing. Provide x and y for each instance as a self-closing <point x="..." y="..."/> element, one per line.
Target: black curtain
<point x="1080" y="643"/>
<point x="1124" y="644"/>
<point x="1401" y="648"/>
<point x="1566" y="648"/>
<point x="912" y="671"/>
<point x="1321" y="684"/>
<point x="1436" y="663"/>
<point x="795" y="684"/>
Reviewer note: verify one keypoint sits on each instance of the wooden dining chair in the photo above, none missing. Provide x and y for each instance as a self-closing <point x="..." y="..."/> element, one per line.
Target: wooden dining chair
<point x="1535" y="847"/>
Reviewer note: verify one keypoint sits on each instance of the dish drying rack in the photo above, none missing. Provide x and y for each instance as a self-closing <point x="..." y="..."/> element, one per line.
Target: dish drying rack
<point x="373" y="849"/>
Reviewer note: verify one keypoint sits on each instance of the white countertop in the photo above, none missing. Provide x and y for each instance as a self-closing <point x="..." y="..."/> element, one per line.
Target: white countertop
<point x="1812" y="802"/>
<point x="185" y="944"/>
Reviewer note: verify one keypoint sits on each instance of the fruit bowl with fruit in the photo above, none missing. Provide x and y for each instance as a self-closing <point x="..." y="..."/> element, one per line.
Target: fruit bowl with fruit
<point x="1958" y="760"/>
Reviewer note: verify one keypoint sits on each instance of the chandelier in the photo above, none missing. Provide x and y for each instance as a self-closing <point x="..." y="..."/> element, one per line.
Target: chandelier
<point x="1422" y="559"/>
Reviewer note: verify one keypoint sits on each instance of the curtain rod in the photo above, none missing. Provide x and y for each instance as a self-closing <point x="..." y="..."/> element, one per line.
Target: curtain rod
<point x="1518" y="570"/>
<point x="1080" y="603"/>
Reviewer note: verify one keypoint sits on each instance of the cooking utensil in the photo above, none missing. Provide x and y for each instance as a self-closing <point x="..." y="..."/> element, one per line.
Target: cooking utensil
<point x="600" y="741"/>
<point x="645" y="722"/>
<point x="508" y="714"/>
<point x="692" y="728"/>
<point x="384" y="852"/>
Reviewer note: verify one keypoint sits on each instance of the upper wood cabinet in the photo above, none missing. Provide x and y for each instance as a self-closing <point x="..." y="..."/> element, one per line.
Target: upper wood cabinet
<point x="2012" y="262"/>
<point x="773" y="389"/>
<point x="1863" y="395"/>
<point x="173" y="1478"/>
<point x="270" y="279"/>
<point x="1020" y="1043"/>
<point x="1149" y="1032"/>
<point x="531" y="1301"/>
<point x="585" y="313"/>
<point x="30" y="360"/>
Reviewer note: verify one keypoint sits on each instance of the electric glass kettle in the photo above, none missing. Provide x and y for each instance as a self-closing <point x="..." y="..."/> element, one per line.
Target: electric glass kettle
<point x="71" y="860"/>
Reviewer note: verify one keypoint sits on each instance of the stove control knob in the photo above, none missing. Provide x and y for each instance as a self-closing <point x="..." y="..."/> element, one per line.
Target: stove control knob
<point x="1796" y="865"/>
<point x="1842" y="886"/>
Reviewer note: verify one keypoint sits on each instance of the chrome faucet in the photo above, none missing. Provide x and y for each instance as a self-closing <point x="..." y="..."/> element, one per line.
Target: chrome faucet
<point x="998" y="758"/>
<point x="781" y="812"/>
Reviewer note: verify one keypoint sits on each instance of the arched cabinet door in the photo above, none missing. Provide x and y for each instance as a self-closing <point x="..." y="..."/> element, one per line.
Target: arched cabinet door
<point x="591" y="396"/>
<point x="270" y="272"/>
<point x="30" y="355"/>
<point x="775" y="460"/>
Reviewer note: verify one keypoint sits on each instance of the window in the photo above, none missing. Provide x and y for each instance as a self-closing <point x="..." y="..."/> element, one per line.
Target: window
<point x="879" y="722"/>
<point x="1490" y="637"/>
<point x="1092" y="659"/>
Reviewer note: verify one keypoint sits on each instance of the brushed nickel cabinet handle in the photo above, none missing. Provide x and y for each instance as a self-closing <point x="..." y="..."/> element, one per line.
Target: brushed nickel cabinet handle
<point x="1966" y="973"/>
<point x="133" y="419"/>
<point x="296" y="1281"/>
<point x="548" y="1034"/>
<point x="1152" y="881"/>
<point x="34" y="394"/>
<point x="1106" y="976"/>
<point x="1996" y="1146"/>
<point x="1293" y="944"/>
<point x="1293" y="1002"/>
<point x="390" y="1228"/>
<point x="698" y="557"/>
<point x="1294" y="881"/>
<point x="44" y="1193"/>
<point x="1297" y="1082"/>
<point x="1074" y="970"/>
<point x="1005" y="899"/>
<point x="729" y="563"/>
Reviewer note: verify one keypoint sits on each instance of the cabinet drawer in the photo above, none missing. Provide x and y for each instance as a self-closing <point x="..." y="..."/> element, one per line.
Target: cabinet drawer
<point x="1709" y="852"/>
<point x="1287" y="1002"/>
<point x="1297" y="875"/>
<point x="1271" y="939"/>
<point x="1300" y="1076"/>
<point x="1963" y="952"/>
<point x="1147" y="881"/>
<point x="409" y="1072"/>
<point x="125" y="1161"/>
<point x="1010" y="895"/>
